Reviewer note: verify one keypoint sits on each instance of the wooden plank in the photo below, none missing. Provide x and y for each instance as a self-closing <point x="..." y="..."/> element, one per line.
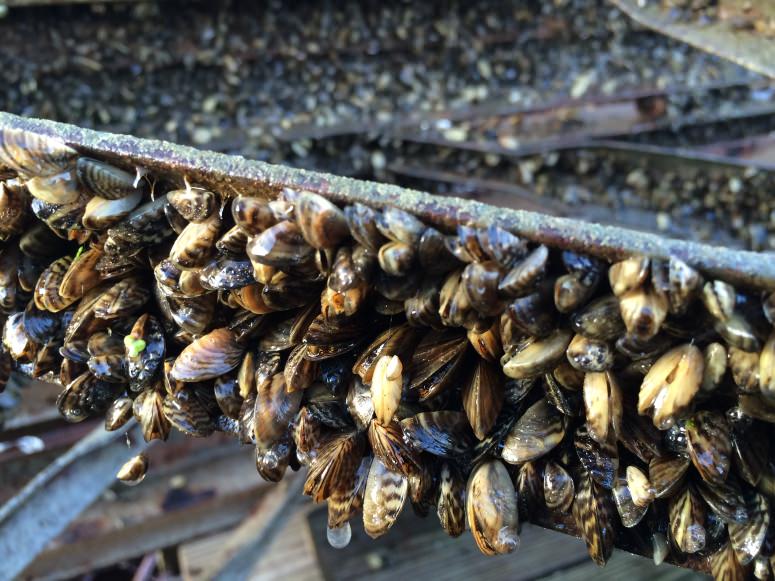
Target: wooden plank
<point x="419" y="548"/>
<point x="205" y="491"/>
<point x="58" y="494"/>
<point x="625" y="566"/>
<point x="290" y="555"/>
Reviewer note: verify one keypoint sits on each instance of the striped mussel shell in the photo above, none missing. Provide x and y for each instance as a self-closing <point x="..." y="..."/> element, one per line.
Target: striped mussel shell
<point x="33" y="155"/>
<point x="446" y="365"/>
<point x="106" y="181"/>
<point x="14" y="205"/>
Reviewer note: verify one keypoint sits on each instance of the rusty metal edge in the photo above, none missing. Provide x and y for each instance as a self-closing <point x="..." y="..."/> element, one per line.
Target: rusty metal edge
<point x="738" y="46"/>
<point x="235" y="174"/>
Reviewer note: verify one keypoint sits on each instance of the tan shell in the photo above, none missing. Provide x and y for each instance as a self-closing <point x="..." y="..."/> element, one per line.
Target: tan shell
<point x="491" y="508"/>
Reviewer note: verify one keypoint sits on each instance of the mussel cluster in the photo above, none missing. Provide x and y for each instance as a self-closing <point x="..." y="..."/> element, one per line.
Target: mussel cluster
<point x="473" y="373"/>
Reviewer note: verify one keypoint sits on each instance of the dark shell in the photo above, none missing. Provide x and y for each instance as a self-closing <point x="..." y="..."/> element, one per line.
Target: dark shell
<point x="444" y="433"/>
<point x="398" y="340"/>
<point x="480" y="280"/>
<point x="533" y="314"/>
<point x="525" y="276"/>
<point x="483" y="397"/>
<point x="86" y="396"/>
<point x="144" y="364"/>
<point x="109" y="367"/>
<point x="227" y="273"/>
<point x="601" y="461"/>
<point x="275" y="409"/>
<point x="435" y="362"/>
<point x="400" y="226"/>
<point x="330" y="338"/>
<point x="600" y="320"/>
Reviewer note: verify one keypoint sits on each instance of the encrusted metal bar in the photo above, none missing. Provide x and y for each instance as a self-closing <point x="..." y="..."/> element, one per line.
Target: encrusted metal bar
<point x="234" y="174"/>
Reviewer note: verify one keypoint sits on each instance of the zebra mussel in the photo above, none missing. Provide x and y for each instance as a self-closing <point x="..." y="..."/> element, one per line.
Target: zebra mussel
<point x="474" y="371"/>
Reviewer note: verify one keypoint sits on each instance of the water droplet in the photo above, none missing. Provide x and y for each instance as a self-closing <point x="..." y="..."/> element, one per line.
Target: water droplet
<point x="660" y="547"/>
<point x="339" y="537"/>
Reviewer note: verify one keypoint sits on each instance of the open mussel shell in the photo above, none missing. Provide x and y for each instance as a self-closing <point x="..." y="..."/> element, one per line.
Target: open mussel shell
<point x="540" y="429"/>
<point x="670" y="384"/>
<point x="491" y="508"/>
<point x="435" y="362"/>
